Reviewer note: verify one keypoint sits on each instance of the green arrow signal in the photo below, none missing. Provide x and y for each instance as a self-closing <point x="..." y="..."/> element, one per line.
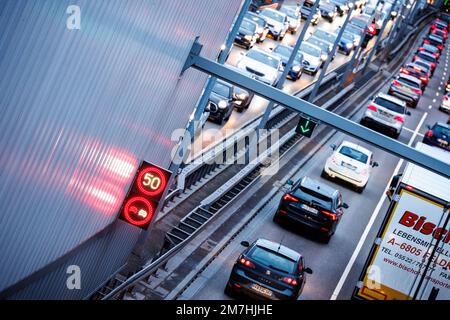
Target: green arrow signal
<point x="305" y="129"/>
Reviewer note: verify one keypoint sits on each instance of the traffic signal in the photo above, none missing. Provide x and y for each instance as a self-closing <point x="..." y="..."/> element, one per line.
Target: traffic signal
<point x="305" y="126"/>
<point x="148" y="187"/>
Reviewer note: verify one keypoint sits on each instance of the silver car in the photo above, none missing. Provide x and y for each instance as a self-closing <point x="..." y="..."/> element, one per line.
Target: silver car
<point x="386" y="113"/>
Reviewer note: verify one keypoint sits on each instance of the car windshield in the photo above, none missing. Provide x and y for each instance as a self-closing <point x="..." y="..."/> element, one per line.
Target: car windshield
<point x="283" y="51"/>
<point x="313" y="196"/>
<point x="308" y="49"/>
<point x="435" y="38"/>
<point x="263" y="58"/>
<point x="441" y="131"/>
<point x="348" y="35"/>
<point x="321" y="34"/>
<point x="341" y="2"/>
<point x="353" y="29"/>
<point x="408" y="82"/>
<point x="423" y="65"/>
<point x="389" y="105"/>
<point x="359" y="23"/>
<point x="327" y="6"/>
<point x="289" y="12"/>
<point x="248" y="25"/>
<point x="426" y="57"/>
<point x="317" y="42"/>
<point x="354" y="154"/>
<point x="221" y="89"/>
<point x="260" y="21"/>
<point x="272" y="259"/>
<point x="430" y="48"/>
<point x="272" y="15"/>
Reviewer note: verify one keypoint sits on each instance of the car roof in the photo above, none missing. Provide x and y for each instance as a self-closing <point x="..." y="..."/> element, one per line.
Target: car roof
<point x="414" y="64"/>
<point x="356" y="147"/>
<point x="392" y="99"/>
<point x="263" y="51"/>
<point x="318" y="187"/>
<point x="273" y="246"/>
<point x="408" y="77"/>
<point x="312" y="45"/>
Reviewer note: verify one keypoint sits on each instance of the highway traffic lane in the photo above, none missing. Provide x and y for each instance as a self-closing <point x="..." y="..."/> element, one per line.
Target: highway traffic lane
<point x="328" y="261"/>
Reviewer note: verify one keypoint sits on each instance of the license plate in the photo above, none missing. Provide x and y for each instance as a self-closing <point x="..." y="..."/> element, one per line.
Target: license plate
<point x="262" y="290"/>
<point x="442" y="142"/>
<point x="309" y="209"/>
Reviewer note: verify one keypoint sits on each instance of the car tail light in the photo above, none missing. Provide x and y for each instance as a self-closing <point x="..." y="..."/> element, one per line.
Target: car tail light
<point x="445" y="98"/>
<point x="281" y="211"/>
<point x="405" y="71"/>
<point x="423" y="78"/>
<point x="364" y="172"/>
<point x="436" y="54"/>
<point x="433" y="64"/>
<point x="290" y="281"/>
<point x="426" y="41"/>
<point x="429" y="133"/>
<point x="440" y="46"/>
<point x="395" y="83"/>
<point x="417" y="68"/>
<point x="246" y="263"/>
<point x="399" y="119"/>
<point x="417" y="91"/>
<point x="421" y="50"/>
<point x="372" y="107"/>
<point x="288" y="197"/>
<point x="329" y="214"/>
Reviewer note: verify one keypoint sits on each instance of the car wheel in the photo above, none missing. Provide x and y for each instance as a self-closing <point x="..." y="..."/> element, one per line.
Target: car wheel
<point x="228" y="291"/>
<point x="360" y="189"/>
<point x="325" y="238"/>
<point x="324" y="174"/>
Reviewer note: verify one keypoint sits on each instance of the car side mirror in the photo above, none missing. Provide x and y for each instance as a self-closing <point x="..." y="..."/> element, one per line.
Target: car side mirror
<point x="308" y="270"/>
<point x="290" y="182"/>
<point x="428" y="127"/>
<point x="372" y="97"/>
<point x="207" y="109"/>
<point x="408" y="113"/>
<point x="245" y="244"/>
<point x="375" y="164"/>
<point x="333" y="146"/>
<point x="345" y="206"/>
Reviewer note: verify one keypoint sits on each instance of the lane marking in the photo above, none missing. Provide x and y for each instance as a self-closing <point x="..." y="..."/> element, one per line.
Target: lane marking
<point x="439" y="88"/>
<point x="375" y="213"/>
<point x="437" y="94"/>
<point x="429" y="107"/>
<point x="434" y="100"/>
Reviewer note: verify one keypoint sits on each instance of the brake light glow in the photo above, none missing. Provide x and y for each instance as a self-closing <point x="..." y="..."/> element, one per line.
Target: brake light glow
<point x="423" y="78"/>
<point x="399" y="119"/>
<point x="436" y="54"/>
<point x="445" y="98"/>
<point x="417" y="68"/>
<point x="372" y="107"/>
<point x="405" y="71"/>
<point x="290" y="281"/>
<point x="417" y="91"/>
<point x="288" y="197"/>
<point x="427" y="42"/>
<point x="329" y="214"/>
<point x="246" y="263"/>
<point x="395" y="83"/>
<point x="409" y="188"/>
<point x="440" y="46"/>
<point x="429" y="133"/>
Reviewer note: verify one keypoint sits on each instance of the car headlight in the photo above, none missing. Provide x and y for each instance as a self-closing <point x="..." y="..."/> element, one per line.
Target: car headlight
<point x="222" y="104"/>
<point x="324" y="57"/>
<point x="241" y="96"/>
<point x="259" y="30"/>
<point x="292" y="24"/>
<point x="296" y="68"/>
<point x="248" y="37"/>
<point x="349" y="45"/>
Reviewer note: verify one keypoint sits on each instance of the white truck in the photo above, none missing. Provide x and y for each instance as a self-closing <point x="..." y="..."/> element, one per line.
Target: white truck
<point x="410" y="258"/>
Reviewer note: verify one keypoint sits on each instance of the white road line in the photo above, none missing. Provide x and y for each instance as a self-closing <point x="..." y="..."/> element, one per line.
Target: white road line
<point x="375" y="213"/>
<point x="434" y="100"/>
<point x="439" y="88"/>
<point x="429" y="107"/>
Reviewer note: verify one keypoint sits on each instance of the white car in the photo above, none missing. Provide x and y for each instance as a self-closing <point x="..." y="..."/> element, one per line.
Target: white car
<point x="312" y="57"/>
<point x="262" y="66"/>
<point x="350" y="162"/>
<point x="277" y="22"/>
<point x="445" y="106"/>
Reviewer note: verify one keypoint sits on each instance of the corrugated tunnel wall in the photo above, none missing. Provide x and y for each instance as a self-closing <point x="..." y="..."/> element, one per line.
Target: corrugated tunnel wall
<point x="79" y="109"/>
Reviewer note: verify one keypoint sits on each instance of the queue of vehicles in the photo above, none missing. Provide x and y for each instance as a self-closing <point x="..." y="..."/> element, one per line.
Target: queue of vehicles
<point x="269" y="270"/>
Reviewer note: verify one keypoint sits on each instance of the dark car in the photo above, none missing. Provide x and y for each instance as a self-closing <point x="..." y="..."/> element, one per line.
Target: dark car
<point x="341" y="6"/>
<point x="425" y="65"/>
<point x="284" y="52"/>
<point x="328" y="11"/>
<point x="406" y="88"/>
<point x="305" y="11"/>
<point x="323" y="45"/>
<point x="220" y="103"/>
<point x="438" y="135"/>
<point x="430" y="49"/>
<point x="313" y="204"/>
<point x="347" y="42"/>
<point x="246" y="35"/>
<point x="439" y="25"/>
<point x="268" y="270"/>
<point x="438" y="32"/>
<point x="241" y="97"/>
<point x="416" y="71"/>
<point x="434" y="40"/>
<point x="363" y="21"/>
<point x="428" y="57"/>
<point x="262" y="29"/>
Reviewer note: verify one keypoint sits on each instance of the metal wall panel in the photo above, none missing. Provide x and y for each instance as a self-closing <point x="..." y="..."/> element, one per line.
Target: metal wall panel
<point x="81" y="108"/>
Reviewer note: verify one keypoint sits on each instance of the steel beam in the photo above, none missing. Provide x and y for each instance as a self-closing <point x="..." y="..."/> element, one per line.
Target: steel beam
<point x="301" y="106"/>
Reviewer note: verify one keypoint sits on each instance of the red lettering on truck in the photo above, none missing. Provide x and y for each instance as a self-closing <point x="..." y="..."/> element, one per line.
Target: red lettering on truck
<point x="412" y="220"/>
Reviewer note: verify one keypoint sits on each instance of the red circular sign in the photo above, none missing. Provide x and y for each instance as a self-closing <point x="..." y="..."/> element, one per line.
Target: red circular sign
<point x="152" y="181"/>
<point x="138" y="211"/>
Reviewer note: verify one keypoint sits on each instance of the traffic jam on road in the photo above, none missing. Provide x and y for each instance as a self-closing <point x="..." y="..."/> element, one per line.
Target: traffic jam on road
<point x="339" y="193"/>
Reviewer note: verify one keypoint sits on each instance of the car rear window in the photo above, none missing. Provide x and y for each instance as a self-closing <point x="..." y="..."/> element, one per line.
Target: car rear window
<point x="248" y="25"/>
<point x="389" y="105"/>
<point x="359" y="23"/>
<point x="442" y="131"/>
<point x="408" y="82"/>
<point x="354" y="154"/>
<point x="283" y="51"/>
<point x="272" y="259"/>
<point x="313" y="196"/>
<point x="426" y="57"/>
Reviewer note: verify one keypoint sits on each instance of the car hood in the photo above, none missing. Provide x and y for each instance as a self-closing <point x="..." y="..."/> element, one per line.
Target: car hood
<point x="274" y="22"/>
<point x="259" y="68"/>
<point x="214" y="97"/>
<point x="245" y="32"/>
<point x="313" y="60"/>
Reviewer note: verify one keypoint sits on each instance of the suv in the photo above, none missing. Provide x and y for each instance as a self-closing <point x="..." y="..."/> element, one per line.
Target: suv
<point x="268" y="270"/>
<point x="386" y="113"/>
<point x="220" y="103"/>
<point x="313" y="204"/>
<point x="277" y="22"/>
<point x="438" y="135"/>
<point x="284" y="53"/>
<point x="406" y="88"/>
<point x="305" y="11"/>
<point x="246" y="35"/>
<point x="263" y="66"/>
<point x="262" y="29"/>
<point x="418" y="72"/>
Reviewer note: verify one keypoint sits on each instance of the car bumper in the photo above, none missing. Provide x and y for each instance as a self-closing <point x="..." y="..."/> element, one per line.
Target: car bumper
<point x="445" y="106"/>
<point x="382" y="125"/>
<point x="336" y="172"/>
<point x="239" y="282"/>
<point x="434" y="143"/>
<point x="311" y="68"/>
<point x="294" y="75"/>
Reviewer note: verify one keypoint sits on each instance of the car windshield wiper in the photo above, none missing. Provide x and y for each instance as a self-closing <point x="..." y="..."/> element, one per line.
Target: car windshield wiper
<point x="273" y="267"/>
